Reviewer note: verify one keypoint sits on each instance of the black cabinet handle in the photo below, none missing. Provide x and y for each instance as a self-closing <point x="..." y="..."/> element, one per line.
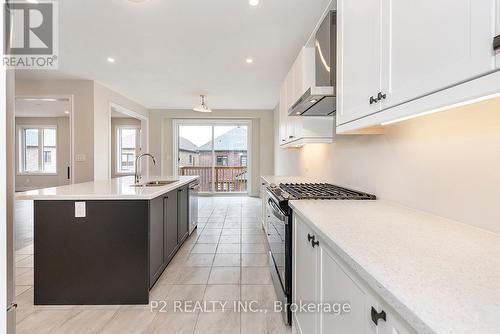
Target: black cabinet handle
<point x="496" y="43"/>
<point x="381" y="96"/>
<point x="315" y="243"/>
<point x="310" y="237"/>
<point x="376" y="316"/>
<point x="291" y="137"/>
<point x="69" y="173"/>
<point x="373" y="100"/>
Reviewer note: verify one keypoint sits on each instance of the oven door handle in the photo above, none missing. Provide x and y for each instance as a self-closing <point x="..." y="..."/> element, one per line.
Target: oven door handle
<point x="277" y="212"/>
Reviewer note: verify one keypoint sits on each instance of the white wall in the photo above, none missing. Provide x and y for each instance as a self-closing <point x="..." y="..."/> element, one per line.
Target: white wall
<point x="446" y="164"/>
<point x="103" y="97"/>
<point x="115" y="123"/>
<point x="82" y="92"/>
<point x="286" y="162"/>
<point x="91" y="103"/>
<point x="262" y="138"/>
<point x="27" y="182"/>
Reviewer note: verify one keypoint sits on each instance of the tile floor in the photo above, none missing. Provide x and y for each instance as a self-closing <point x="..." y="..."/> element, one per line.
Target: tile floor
<point x="223" y="260"/>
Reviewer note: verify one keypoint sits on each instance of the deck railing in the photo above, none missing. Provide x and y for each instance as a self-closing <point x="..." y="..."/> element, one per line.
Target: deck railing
<point x="227" y="179"/>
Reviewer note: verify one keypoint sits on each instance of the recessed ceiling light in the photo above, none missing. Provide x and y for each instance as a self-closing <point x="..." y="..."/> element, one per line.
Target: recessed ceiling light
<point x="249" y="60"/>
<point x="32" y="1"/>
<point x="313" y="101"/>
<point x="66" y="112"/>
<point x="111" y="60"/>
<point x="253" y="2"/>
<point x="136" y="1"/>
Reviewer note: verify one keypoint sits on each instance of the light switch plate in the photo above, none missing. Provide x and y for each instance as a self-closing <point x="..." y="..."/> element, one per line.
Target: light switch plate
<point x="80" y="211"/>
<point x="80" y="157"/>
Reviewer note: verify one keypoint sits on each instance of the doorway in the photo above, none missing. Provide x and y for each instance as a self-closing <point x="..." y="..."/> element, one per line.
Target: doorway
<point x="128" y="139"/>
<point x="43" y="142"/>
<point x="43" y="154"/>
<point x="218" y="151"/>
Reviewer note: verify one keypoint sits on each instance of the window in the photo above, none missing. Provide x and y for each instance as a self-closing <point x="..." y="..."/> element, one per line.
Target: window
<point x="222" y="160"/>
<point x="38" y="150"/>
<point x="190" y="158"/>
<point x="128" y="146"/>
<point x="243" y="160"/>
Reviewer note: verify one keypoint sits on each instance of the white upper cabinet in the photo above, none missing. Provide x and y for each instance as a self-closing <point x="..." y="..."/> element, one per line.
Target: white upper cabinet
<point x="358" y="58"/>
<point x="412" y="57"/>
<point x="431" y="45"/>
<point x="298" y="130"/>
<point x="283" y="114"/>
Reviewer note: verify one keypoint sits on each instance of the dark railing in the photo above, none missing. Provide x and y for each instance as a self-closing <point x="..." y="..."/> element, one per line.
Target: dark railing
<point x="227" y="179"/>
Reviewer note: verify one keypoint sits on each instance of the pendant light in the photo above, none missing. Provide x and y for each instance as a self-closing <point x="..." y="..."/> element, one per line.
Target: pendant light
<point x="202" y="107"/>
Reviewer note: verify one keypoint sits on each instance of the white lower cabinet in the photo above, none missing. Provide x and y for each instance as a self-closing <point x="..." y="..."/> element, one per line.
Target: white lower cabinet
<point x="338" y="288"/>
<point x="320" y="277"/>
<point x="305" y="286"/>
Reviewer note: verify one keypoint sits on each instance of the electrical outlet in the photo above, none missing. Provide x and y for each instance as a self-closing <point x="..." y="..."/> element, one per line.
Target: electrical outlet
<point x="80" y="157"/>
<point x="80" y="211"/>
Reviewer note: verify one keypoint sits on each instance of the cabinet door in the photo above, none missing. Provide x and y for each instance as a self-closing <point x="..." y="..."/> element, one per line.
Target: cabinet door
<point x="290" y="100"/>
<point x="155" y="239"/>
<point x="393" y="324"/>
<point x="359" y="59"/>
<point x="305" y="275"/>
<point x="182" y="214"/>
<point x="497" y="31"/>
<point x="429" y="46"/>
<point x="170" y="225"/>
<point x="283" y="115"/>
<point x="337" y="287"/>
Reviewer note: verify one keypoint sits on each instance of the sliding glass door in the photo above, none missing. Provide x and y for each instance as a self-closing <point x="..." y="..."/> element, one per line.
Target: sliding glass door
<point x="216" y="151"/>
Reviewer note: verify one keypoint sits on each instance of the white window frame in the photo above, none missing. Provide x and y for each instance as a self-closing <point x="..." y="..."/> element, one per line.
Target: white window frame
<point x="176" y="123"/>
<point x="21" y="149"/>
<point x="118" y="147"/>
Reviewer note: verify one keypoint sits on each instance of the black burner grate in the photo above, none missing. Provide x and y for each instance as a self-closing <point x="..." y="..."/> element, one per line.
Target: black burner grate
<point x="322" y="191"/>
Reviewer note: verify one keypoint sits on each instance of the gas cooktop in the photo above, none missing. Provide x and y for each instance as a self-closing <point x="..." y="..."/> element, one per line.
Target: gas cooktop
<point x="291" y="191"/>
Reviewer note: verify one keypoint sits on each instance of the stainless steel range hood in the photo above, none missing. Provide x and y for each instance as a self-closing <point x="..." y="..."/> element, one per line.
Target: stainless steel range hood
<point x="320" y="100"/>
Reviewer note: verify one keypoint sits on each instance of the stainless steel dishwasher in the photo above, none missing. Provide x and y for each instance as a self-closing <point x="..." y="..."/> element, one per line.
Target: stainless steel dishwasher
<point x="194" y="188"/>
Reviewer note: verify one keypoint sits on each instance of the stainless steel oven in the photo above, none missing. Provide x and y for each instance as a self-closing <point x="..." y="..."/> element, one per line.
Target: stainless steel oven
<point x="280" y="230"/>
<point x="279" y="236"/>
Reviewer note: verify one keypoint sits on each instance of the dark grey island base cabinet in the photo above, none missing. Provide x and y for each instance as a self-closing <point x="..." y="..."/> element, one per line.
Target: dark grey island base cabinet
<point x="113" y="255"/>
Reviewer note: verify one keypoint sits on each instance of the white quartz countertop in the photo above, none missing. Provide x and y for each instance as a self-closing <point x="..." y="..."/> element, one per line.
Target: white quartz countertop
<point x="113" y="189"/>
<point x="439" y="275"/>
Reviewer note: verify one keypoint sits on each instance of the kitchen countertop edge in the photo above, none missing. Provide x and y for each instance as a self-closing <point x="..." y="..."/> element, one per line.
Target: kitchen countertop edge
<point x="73" y="192"/>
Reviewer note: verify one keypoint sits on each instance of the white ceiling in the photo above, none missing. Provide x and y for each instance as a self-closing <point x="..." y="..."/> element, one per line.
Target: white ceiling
<point x="169" y="51"/>
<point x="40" y="108"/>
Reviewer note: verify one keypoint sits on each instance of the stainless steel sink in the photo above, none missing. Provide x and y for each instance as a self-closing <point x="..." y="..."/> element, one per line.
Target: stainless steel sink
<point x="153" y="184"/>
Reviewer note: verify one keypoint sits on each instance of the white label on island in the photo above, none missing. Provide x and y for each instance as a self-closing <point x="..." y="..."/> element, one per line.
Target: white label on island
<point x="80" y="209"/>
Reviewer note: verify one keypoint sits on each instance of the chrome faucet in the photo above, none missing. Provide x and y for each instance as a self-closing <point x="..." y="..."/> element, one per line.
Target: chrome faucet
<point x="137" y="177"/>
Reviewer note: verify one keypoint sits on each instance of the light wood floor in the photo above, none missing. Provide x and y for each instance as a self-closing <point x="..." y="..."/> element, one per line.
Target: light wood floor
<point x="223" y="260"/>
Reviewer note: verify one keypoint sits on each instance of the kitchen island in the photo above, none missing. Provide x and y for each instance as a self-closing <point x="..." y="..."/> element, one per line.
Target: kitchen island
<point x="106" y="242"/>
